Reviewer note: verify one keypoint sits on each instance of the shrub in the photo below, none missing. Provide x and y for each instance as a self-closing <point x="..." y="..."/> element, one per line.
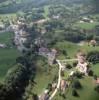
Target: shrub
<point x="68" y="66"/>
<point x="78" y="75"/>
<point x="75" y="64"/>
<point x="77" y="85"/>
<point x="90" y="73"/>
<point x="97" y="88"/>
<point x="74" y="93"/>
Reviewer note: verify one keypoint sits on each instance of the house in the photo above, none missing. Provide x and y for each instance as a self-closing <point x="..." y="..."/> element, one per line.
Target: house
<point x="41" y="21"/>
<point x="2" y="26"/>
<point x="23" y="33"/>
<point x="52" y="56"/>
<point x="55" y="16"/>
<point x="93" y="42"/>
<point x="86" y="19"/>
<point x="43" y="51"/>
<point x="44" y="96"/>
<point x="82" y="67"/>
<point x="81" y="57"/>
<point x="63" y="85"/>
<point x="2" y="45"/>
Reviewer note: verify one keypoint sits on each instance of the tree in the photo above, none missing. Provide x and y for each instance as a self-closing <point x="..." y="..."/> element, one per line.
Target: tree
<point x="93" y="57"/>
<point x="97" y="88"/>
<point x="74" y="93"/>
<point x="77" y="85"/>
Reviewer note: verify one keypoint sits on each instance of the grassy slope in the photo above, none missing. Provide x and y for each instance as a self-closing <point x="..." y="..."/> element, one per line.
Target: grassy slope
<point x="7" y="55"/>
<point x="43" y="79"/>
<point x="86" y="25"/>
<point x="72" y="48"/>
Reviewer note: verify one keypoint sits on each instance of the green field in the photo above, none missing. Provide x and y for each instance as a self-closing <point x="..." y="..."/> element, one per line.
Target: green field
<point x="7" y="59"/>
<point x="86" y="25"/>
<point x="7" y="55"/>
<point x="7" y="16"/>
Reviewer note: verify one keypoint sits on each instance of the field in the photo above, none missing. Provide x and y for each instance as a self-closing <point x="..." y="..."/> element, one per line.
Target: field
<point x="7" y="55"/>
<point x="7" y="16"/>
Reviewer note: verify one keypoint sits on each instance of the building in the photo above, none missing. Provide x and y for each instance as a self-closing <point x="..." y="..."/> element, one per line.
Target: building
<point x="81" y="57"/>
<point x="93" y="43"/>
<point x="2" y="45"/>
<point x="82" y="67"/>
<point x="43" y="51"/>
<point x="52" y="56"/>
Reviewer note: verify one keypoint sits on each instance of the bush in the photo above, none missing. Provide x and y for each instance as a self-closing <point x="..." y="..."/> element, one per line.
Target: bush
<point x="93" y="57"/>
<point x="77" y="85"/>
<point x="74" y="93"/>
<point x="49" y="87"/>
<point x="95" y="77"/>
<point x="78" y="75"/>
<point x="97" y="88"/>
<point x="35" y="97"/>
<point x="75" y="64"/>
<point x="90" y="73"/>
<point x="68" y="66"/>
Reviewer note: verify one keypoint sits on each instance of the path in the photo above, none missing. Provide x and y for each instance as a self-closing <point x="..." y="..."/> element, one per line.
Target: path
<point x="59" y="80"/>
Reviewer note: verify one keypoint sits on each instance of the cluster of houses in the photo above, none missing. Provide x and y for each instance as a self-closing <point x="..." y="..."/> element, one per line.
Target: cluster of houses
<point x="21" y="35"/>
